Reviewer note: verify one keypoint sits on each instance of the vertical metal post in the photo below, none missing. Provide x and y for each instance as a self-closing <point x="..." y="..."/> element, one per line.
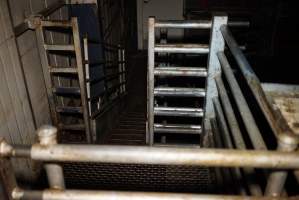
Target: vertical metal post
<point x="217" y="44"/>
<point x="150" y="80"/>
<point x="48" y="136"/>
<point x="276" y="180"/>
<point x="79" y="62"/>
<point x="86" y="61"/>
<point x="45" y="67"/>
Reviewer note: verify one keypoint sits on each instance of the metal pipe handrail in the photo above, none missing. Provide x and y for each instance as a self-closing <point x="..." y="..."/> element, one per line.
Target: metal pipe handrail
<point x="182" y="48"/>
<point x="287" y="140"/>
<point x="248" y="119"/>
<point x="195" y="24"/>
<point x="239" y="142"/>
<point x="158" y="155"/>
<point x="124" y="195"/>
<point x="253" y="83"/>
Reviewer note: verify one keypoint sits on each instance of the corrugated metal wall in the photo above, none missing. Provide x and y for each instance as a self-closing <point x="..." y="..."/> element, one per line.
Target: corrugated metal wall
<point x="23" y="99"/>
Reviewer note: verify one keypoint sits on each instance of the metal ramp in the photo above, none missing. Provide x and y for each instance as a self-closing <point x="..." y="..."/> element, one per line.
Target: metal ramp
<point x="63" y="71"/>
<point x="180" y="90"/>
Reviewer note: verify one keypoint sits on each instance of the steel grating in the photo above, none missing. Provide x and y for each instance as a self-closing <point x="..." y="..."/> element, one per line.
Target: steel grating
<point x="139" y="177"/>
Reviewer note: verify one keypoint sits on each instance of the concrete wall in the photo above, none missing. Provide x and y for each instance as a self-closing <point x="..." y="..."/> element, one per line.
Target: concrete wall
<point x="166" y="10"/>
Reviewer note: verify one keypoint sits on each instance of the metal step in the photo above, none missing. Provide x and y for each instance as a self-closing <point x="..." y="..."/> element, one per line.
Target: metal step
<point x="67" y="90"/>
<point x="56" y="23"/>
<point x="182" y="48"/>
<point x="177" y="128"/>
<point x="72" y="127"/>
<point x="63" y="70"/>
<point x="58" y="47"/>
<point x="69" y="109"/>
<point x="181" y="71"/>
<point x="179" y="92"/>
<point x="178" y="111"/>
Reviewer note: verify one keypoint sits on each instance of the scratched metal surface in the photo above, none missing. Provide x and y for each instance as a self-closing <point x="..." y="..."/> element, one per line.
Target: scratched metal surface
<point x="286" y="99"/>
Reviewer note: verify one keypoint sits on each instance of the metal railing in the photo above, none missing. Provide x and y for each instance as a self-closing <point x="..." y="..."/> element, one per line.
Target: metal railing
<point x="234" y="153"/>
<point x="114" y="81"/>
<point x="224" y="117"/>
<point x="48" y="151"/>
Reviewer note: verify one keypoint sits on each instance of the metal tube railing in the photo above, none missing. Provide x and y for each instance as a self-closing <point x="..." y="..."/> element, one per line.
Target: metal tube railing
<point x="252" y="80"/>
<point x="249" y="122"/>
<point x="286" y="138"/>
<point x="19" y="194"/>
<point x="223" y="175"/>
<point x="237" y="176"/>
<point x="118" y="73"/>
<point x="162" y="155"/>
<point x="182" y="48"/>
<point x="195" y="24"/>
<point x="239" y="142"/>
<point x="49" y="151"/>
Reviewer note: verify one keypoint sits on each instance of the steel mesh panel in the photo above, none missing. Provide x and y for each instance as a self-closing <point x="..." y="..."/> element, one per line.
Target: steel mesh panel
<point x="138" y="177"/>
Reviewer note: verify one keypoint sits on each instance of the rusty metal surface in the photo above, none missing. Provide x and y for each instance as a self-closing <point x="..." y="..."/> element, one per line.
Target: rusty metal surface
<point x="277" y="123"/>
<point x="286" y="99"/>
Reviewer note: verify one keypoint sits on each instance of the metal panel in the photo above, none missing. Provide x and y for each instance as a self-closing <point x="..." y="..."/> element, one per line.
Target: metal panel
<point x="217" y="44"/>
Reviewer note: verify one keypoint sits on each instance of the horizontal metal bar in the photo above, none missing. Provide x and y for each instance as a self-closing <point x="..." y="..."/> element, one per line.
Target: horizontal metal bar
<point x="19" y="194"/>
<point x="167" y="156"/>
<point x="182" y="48"/>
<point x="56" y="23"/>
<point x="178" y="111"/>
<point x="58" y="47"/>
<point x="179" y="92"/>
<point x="177" y="128"/>
<point x="76" y="2"/>
<point x="69" y="109"/>
<point x="67" y="90"/>
<point x="181" y="71"/>
<point x="63" y="70"/>
<point x="195" y="24"/>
